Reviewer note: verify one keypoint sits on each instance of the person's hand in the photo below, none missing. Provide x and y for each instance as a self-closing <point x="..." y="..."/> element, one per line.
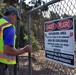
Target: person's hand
<point x="27" y="48"/>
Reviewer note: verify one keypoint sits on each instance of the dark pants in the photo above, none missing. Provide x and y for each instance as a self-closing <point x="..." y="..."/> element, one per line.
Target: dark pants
<point x="4" y="69"/>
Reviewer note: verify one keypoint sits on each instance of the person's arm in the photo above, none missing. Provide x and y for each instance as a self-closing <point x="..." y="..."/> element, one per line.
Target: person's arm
<point x="8" y="36"/>
<point x="9" y="50"/>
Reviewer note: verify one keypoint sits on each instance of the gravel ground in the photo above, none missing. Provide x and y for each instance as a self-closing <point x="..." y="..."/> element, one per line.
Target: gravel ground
<point x="41" y="66"/>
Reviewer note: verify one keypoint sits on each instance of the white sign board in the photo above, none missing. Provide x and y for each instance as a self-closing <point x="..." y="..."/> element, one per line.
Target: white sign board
<point x="59" y="41"/>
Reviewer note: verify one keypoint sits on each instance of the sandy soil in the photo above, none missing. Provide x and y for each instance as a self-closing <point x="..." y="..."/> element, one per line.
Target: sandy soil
<point x="41" y="66"/>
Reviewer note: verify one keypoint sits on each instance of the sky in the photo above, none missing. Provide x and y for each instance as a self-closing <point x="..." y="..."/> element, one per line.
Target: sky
<point x="65" y="6"/>
<point x="68" y="6"/>
<point x="34" y="0"/>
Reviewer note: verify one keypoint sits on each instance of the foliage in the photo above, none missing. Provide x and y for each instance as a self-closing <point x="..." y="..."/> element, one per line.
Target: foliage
<point x="24" y="39"/>
<point x="65" y="15"/>
<point x="10" y="2"/>
<point x="37" y="22"/>
<point x="34" y="42"/>
<point x="2" y="7"/>
<point x="54" y="16"/>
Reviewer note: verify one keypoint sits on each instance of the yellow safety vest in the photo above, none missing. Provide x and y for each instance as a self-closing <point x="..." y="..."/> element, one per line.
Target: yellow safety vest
<point x="3" y="57"/>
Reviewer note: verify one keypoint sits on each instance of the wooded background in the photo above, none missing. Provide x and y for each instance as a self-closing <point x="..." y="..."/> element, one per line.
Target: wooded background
<point x="37" y="21"/>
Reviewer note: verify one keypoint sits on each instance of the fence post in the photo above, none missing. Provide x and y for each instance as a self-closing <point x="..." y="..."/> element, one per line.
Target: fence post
<point x="18" y="34"/>
<point x="28" y="22"/>
<point x="29" y="54"/>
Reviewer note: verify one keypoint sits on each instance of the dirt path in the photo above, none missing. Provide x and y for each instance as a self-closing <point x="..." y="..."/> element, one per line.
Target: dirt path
<point x="41" y="66"/>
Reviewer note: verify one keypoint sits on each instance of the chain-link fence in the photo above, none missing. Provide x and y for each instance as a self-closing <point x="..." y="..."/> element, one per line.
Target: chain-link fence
<point x="41" y="66"/>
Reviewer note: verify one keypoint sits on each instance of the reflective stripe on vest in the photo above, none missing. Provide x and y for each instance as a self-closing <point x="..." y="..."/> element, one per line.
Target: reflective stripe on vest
<point x="2" y="26"/>
<point x="2" y="54"/>
<point x="3" y="57"/>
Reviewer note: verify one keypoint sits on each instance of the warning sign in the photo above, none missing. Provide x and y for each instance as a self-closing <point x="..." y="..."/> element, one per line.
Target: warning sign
<point x="59" y="41"/>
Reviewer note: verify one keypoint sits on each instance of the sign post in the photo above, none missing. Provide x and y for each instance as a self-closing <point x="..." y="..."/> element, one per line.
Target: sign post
<point x="59" y="41"/>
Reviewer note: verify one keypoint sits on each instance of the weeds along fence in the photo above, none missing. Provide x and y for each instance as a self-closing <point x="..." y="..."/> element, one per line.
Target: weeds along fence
<point x="39" y="65"/>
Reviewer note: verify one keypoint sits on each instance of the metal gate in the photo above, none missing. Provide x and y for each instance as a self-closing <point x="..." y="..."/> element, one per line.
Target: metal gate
<point x="37" y="64"/>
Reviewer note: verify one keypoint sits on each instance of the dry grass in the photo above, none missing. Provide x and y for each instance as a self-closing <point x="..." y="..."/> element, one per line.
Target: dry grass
<point x="41" y="66"/>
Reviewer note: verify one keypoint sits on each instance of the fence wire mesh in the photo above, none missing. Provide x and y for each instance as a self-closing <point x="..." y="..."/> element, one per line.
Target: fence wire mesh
<point x="41" y="66"/>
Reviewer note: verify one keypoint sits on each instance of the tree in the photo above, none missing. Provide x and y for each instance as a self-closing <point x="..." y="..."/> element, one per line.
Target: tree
<point x="37" y="21"/>
<point x="54" y="16"/>
<point x="65" y="15"/>
<point x="10" y="2"/>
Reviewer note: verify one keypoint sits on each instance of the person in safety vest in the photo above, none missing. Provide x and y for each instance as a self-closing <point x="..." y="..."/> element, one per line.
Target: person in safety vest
<point x="8" y="52"/>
